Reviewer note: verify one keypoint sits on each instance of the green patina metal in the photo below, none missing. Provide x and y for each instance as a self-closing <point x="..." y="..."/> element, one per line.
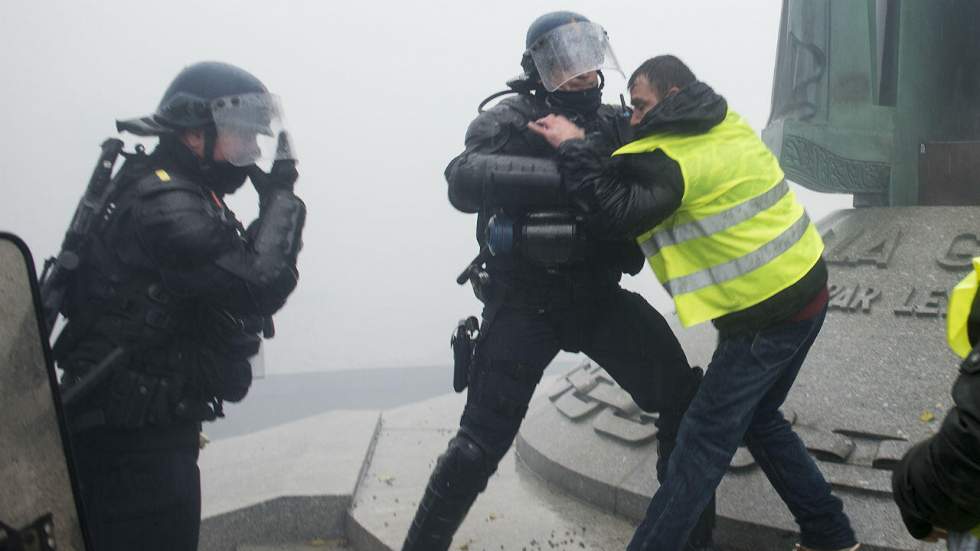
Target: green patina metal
<point x="863" y="86"/>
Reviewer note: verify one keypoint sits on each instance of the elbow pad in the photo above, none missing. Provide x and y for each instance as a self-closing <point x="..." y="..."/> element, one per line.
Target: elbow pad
<point x="269" y="267"/>
<point x="280" y="229"/>
<point x="510" y="181"/>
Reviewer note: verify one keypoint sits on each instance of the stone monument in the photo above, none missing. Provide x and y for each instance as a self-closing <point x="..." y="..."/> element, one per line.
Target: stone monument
<point x="875" y="98"/>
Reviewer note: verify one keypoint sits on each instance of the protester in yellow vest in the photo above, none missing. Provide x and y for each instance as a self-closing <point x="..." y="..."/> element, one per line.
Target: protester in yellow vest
<point x="724" y="233"/>
<point x="937" y="483"/>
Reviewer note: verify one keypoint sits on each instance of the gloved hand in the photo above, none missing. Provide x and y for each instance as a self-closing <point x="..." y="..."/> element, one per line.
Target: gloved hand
<point x="282" y="175"/>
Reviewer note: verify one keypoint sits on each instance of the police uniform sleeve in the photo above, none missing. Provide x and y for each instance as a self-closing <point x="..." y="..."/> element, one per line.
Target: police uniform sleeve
<point x="201" y="253"/>
<point x="935" y="483"/>
<point x="489" y="174"/>
<point x="626" y="195"/>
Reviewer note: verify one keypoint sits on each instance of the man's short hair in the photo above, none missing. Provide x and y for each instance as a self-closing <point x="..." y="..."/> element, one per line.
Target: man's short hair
<point x="663" y="73"/>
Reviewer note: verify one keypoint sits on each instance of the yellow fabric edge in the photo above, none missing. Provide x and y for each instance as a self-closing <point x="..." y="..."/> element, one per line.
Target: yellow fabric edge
<point x="960" y="302"/>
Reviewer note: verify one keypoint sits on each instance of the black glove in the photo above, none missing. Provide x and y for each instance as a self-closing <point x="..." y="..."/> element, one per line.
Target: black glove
<point x="282" y="175"/>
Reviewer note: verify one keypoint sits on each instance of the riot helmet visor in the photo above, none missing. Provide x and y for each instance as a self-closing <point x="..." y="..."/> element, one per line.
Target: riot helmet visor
<point x="571" y="50"/>
<point x="251" y="129"/>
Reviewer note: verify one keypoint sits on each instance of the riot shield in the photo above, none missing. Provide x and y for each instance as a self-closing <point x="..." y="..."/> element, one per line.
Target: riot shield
<point x="39" y="509"/>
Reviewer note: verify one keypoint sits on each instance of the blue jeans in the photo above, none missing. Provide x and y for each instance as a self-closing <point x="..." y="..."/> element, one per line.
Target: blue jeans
<point x="739" y="399"/>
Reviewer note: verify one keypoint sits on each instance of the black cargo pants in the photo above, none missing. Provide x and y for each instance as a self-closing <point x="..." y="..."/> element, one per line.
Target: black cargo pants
<point x="520" y="336"/>
<point x="616" y="328"/>
<point x="140" y="488"/>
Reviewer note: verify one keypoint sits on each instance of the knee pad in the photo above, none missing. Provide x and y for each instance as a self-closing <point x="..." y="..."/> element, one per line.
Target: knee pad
<point x="465" y="467"/>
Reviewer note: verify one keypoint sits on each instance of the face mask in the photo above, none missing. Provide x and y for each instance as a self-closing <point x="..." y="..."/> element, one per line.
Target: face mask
<point x="225" y="178"/>
<point x="222" y="177"/>
<point x="582" y="102"/>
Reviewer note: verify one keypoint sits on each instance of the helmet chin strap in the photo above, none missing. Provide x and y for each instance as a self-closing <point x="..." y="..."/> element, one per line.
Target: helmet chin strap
<point x="210" y="139"/>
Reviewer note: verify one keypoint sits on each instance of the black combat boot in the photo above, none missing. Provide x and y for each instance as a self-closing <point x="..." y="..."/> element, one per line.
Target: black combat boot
<point x="460" y="475"/>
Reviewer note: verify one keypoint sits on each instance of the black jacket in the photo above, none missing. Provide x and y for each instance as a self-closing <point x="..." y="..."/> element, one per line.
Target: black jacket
<point x="503" y="130"/>
<point x="174" y="279"/>
<point x="630" y="194"/>
<point x="937" y="483"/>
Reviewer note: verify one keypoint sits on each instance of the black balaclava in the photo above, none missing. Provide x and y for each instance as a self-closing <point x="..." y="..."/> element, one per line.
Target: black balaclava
<point x="221" y="177"/>
<point x="581" y="102"/>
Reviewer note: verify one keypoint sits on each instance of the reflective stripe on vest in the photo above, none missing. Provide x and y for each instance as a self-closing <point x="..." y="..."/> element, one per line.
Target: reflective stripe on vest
<point x="739" y="236"/>
<point x="758" y="258"/>
<point x="716" y="223"/>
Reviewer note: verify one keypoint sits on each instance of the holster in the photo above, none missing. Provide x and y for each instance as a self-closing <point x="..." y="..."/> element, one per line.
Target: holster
<point x="463" y="343"/>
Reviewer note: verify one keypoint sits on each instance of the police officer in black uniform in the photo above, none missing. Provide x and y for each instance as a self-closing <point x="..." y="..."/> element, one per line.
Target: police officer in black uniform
<point x="545" y="286"/>
<point x="177" y="291"/>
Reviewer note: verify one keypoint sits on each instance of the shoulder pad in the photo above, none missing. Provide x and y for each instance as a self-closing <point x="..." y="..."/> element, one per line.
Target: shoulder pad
<point x="162" y="181"/>
<point x="528" y="107"/>
<point x="493" y="128"/>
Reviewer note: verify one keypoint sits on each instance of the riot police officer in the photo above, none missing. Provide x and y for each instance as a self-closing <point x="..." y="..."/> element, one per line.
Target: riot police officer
<point x="545" y="285"/>
<point x="169" y="300"/>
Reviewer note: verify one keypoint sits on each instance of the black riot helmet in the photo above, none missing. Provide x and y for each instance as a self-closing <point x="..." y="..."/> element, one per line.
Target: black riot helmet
<point x="561" y="45"/>
<point x="225" y="100"/>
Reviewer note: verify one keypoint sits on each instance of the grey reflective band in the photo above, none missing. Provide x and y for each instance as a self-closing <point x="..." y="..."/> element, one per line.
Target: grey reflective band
<point x="741" y="265"/>
<point x="717" y="223"/>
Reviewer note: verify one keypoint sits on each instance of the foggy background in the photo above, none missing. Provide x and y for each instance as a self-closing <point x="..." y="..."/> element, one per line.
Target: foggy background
<point x="377" y="96"/>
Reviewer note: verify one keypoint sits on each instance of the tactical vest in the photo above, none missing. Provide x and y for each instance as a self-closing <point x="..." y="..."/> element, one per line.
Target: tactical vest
<point x="118" y="300"/>
<point x="739" y="235"/>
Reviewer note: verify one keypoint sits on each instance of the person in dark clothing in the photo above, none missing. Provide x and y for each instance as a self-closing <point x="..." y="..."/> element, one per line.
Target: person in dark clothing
<point x="177" y="291"/>
<point x="707" y="203"/>
<point x="936" y="482"/>
<point x="543" y="298"/>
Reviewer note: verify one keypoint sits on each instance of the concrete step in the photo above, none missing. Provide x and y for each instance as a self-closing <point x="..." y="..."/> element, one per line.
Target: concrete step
<point x="518" y="511"/>
<point x="290" y="483"/>
<point x="315" y="545"/>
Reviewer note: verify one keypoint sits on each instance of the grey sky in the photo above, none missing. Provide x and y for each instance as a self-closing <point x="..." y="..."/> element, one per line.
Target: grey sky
<point x="378" y="96"/>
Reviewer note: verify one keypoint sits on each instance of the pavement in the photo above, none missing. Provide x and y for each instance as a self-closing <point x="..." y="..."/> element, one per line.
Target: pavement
<point x="352" y="480"/>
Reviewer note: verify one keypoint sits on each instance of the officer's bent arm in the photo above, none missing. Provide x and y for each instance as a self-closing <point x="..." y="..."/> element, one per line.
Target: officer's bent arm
<point x="484" y="177"/>
<point x="628" y="194"/>
<point x="201" y="255"/>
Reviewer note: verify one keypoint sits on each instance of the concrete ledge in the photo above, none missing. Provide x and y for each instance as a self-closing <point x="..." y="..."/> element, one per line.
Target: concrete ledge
<point x="284" y="485"/>
<point x="284" y="520"/>
<point x="517" y="511"/>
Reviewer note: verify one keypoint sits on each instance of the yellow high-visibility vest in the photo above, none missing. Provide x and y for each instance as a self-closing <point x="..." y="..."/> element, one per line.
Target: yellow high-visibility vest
<point x="958" y="313"/>
<point x="739" y="236"/>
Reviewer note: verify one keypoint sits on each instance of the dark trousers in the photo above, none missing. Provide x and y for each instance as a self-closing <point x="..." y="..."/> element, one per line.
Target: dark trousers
<point x="739" y="400"/>
<point x="140" y="489"/>
<point x="616" y="328"/>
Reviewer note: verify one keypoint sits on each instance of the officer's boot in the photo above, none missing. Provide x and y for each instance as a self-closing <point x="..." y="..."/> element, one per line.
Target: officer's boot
<point x="460" y="475"/>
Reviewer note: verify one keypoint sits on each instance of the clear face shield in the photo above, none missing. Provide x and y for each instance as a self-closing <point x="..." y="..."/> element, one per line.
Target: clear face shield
<point x="251" y="129"/>
<point x="571" y="50"/>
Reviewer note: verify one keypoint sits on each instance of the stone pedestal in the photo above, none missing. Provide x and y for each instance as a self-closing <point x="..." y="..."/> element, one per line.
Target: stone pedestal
<point x="876" y="381"/>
